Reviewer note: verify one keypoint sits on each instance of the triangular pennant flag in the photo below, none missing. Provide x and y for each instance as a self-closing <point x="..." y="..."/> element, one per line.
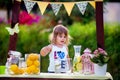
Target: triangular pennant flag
<point x="56" y="7"/>
<point x="42" y="6"/>
<point x="93" y="4"/>
<point x="69" y="6"/>
<point x="82" y="6"/>
<point x="99" y="0"/>
<point x="29" y="5"/>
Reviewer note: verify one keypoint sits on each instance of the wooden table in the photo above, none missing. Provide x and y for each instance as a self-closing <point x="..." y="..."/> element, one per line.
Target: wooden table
<point x="57" y="76"/>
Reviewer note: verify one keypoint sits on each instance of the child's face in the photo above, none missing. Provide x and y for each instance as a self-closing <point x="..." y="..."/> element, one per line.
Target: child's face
<point x="61" y="39"/>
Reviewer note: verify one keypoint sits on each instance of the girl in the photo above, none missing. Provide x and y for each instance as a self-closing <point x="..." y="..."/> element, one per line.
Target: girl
<point x="58" y="50"/>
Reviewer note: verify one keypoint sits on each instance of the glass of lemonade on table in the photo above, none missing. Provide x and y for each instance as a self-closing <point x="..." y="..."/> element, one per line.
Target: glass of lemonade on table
<point x="70" y="65"/>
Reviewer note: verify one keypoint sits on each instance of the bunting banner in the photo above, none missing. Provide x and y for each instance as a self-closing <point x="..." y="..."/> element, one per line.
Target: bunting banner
<point x="56" y="7"/>
<point x="69" y="6"/>
<point x="42" y="6"/>
<point x="29" y="5"/>
<point x="82" y="6"/>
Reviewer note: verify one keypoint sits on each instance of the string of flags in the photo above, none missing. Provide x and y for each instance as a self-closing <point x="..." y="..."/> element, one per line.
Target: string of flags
<point x="57" y="5"/>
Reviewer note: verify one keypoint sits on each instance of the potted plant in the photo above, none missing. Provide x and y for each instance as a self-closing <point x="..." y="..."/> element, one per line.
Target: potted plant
<point x="100" y="60"/>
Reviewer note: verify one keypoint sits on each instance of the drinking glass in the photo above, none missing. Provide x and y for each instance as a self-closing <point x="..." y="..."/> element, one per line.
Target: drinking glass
<point x="70" y="67"/>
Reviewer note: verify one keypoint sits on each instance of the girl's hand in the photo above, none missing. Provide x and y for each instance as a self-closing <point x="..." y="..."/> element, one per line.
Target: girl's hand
<point x="49" y="48"/>
<point x="45" y="50"/>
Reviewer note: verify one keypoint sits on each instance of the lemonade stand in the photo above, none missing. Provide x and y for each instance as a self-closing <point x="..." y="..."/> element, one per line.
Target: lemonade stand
<point x="31" y="69"/>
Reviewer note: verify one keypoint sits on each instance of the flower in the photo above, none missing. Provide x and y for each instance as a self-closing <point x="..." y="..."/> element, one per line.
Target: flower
<point x="25" y="18"/>
<point x="100" y="57"/>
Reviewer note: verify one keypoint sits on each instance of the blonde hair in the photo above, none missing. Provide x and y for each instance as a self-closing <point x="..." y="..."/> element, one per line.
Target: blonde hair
<point x="59" y="29"/>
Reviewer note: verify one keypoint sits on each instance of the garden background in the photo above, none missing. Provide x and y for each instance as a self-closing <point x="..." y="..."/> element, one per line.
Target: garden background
<point x="35" y="29"/>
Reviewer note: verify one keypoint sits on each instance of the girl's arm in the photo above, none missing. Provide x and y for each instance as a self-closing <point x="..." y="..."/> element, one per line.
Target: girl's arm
<point x="45" y="50"/>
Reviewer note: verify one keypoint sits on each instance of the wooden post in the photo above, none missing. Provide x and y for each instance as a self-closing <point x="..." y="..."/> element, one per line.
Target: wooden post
<point x="99" y="25"/>
<point x="15" y="19"/>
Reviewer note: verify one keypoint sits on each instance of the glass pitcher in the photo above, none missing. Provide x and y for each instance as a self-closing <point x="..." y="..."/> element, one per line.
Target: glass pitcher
<point x="77" y="64"/>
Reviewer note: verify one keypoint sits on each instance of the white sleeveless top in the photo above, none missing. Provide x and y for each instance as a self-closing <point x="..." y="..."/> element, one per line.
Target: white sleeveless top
<point x="59" y="54"/>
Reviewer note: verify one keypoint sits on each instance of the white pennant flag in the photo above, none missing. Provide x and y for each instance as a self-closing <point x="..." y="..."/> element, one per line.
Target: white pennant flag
<point x="29" y="5"/>
<point x="82" y="6"/>
<point x="56" y="7"/>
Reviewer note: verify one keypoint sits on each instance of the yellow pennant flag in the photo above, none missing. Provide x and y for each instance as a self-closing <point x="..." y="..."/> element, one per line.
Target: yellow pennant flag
<point x="99" y="0"/>
<point x="69" y="6"/>
<point x="18" y="0"/>
<point x="93" y="4"/>
<point x="42" y="6"/>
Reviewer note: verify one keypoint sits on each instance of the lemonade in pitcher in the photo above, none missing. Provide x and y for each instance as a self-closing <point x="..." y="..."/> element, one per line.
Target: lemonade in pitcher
<point x="77" y="63"/>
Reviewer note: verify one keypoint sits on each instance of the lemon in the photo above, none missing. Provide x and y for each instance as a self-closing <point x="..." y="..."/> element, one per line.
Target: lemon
<point x="14" y="67"/>
<point x="16" y="72"/>
<point x="33" y="57"/>
<point x="32" y="68"/>
<point x="28" y="71"/>
<point x="29" y="62"/>
<point x="79" y="66"/>
<point x="36" y="71"/>
<point x="79" y="59"/>
<point x="21" y="71"/>
<point x="36" y="63"/>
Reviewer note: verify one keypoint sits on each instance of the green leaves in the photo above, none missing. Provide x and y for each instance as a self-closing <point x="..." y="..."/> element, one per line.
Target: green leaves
<point x="100" y="59"/>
